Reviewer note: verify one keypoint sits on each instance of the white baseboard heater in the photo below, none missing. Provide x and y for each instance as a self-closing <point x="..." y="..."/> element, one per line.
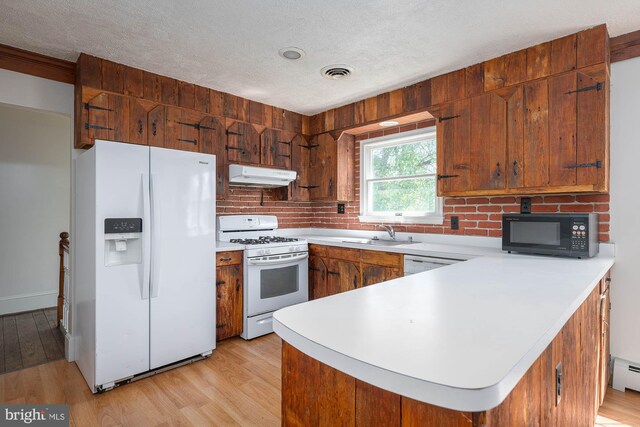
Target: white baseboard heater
<point x="626" y="375"/>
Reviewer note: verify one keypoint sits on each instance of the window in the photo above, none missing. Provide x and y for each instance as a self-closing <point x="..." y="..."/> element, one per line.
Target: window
<point x="398" y="178"/>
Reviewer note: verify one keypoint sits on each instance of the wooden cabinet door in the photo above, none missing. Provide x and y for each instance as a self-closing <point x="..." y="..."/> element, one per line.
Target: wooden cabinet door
<point x="182" y="129"/>
<point x="156" y="121"/>
<point x="243" y="143"/>
<point x="212" y="141"/>
<point x="108" y="117"/>
<point x="317" y="277"/>
<point x="372" y="274"/>
<point x="138" y="120"/>
<point x="487" y="142"/>
<point x="299" y="189"/>
<point x="342" y="276"/>
<point x="592" y="134"/>
<point x="275" y="148"/>
<point x="228" y="301"/>
<point x="452" y="138"/>
<point x="323" y="167"/>
<point x="604" y="345"/>
<point x="528" y="136"/>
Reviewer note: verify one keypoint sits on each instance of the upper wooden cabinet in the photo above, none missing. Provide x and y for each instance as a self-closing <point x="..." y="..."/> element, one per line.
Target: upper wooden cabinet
<point x="331" y="167"/>
<point x="212" y="138"/>
<point x="243" y="143"/>
<point x="549" y="135"/>
<point x="275" y="148"/>
<point x="300" y="148"/>
<point x="106" y="116"/>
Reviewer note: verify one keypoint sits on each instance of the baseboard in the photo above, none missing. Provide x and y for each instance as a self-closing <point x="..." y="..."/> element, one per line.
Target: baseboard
<point x="27" y="302"/>
<point x="626" y="375"/>
<point x="69" y="347"/>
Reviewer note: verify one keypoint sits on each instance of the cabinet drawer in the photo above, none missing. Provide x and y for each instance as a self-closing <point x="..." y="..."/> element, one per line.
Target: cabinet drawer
<point x="387" y="259"/>
<point x="318" y="250"/>
<point x="228" y="258"/>
<point x="344" y="253"/>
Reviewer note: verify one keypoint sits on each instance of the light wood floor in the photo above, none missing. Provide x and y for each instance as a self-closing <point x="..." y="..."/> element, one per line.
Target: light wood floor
<point x="238" y="385"/>
<point x="29" y="339"/>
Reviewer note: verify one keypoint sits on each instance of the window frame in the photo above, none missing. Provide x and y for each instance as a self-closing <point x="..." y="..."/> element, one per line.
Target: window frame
<point x="366" y="146"/>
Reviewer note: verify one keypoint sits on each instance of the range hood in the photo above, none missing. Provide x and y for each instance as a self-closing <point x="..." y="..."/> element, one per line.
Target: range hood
<point x="260" y="177"/>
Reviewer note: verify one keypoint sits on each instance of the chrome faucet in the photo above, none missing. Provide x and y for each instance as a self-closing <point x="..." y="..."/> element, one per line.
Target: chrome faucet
<point x="389" y="229"/>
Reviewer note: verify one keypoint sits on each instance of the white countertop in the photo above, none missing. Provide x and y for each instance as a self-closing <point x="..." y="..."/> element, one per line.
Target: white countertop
<point x="459" y="337"/>
<point x="226" y="246"/>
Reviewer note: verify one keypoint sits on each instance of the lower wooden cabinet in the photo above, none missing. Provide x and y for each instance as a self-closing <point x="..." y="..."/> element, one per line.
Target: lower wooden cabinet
<point x="333" y="270"/>
<point x="228" y="294"/>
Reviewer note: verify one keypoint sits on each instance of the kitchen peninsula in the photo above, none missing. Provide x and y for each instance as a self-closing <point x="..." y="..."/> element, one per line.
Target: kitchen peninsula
<point x="496" y="340"/>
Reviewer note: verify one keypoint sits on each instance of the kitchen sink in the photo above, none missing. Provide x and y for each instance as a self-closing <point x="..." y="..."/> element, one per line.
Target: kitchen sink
<point x="376" y="242"/>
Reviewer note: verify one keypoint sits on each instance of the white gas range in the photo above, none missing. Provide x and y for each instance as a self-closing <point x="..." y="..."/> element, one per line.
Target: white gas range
<point x="275" y="269"/>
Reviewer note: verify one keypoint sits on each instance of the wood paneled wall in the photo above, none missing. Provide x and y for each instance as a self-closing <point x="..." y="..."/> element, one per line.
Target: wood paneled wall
<point x="575" y="51"/>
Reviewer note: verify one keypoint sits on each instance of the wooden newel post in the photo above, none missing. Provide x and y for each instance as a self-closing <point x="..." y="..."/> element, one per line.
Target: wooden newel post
<point x="63" y="246"/>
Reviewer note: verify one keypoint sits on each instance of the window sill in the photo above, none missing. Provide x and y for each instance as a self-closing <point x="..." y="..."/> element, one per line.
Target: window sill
<point x="431" y="220"/>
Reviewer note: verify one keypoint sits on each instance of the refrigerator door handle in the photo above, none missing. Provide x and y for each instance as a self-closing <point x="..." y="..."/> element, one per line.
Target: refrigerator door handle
<point x="146" y="238"/>
<point x="155" y="238"/>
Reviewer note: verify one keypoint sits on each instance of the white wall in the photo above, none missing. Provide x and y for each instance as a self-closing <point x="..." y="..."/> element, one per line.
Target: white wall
<point x="34" y="205"/>
<point x="38" y="94"/>
<point x="625" y="209"/>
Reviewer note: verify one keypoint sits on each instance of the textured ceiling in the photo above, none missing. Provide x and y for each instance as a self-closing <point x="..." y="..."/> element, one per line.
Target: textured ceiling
<point x="232" y="46"/>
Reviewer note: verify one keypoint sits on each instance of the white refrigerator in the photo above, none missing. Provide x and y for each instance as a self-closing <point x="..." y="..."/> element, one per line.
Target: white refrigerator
<point x="144" y="275"/>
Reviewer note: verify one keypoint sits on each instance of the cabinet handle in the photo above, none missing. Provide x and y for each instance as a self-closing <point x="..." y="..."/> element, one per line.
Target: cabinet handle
<point x="515" y="168"/>
<point x="225" y="259"/>
<point x="154" y="128"/>
<point x="139" y="127"/>
<point x="498" y="169"/>
<point x="220" y="282"/>
<point x="331" y="186"/>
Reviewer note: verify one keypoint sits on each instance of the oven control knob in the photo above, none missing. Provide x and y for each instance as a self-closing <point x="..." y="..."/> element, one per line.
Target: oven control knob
<point x="582" y="227"/>
<point x="575" y="227"/>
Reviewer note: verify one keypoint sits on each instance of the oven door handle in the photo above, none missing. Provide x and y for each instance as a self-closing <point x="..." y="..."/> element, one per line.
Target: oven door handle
<point x="276" y="261"/>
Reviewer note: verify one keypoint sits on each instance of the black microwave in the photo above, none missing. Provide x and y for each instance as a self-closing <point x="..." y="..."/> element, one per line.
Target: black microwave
<point x="569" y="234"/>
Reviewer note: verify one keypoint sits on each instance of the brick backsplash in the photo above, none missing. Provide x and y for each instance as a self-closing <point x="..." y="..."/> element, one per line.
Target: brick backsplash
<point x="478" y="216"/>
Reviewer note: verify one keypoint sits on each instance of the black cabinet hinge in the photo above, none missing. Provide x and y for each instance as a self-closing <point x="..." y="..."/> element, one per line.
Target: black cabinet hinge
<point x="596" y="164"/>
<point x="88" y="106"/>
<point x="220" y="282"/>
<point x="597" y="86"/>
<point x="314" y="269"/>
<point x="447" y="176"/>
<point x="88" y="126"/>
<point x="227" y="147"/>
<point x="335" y="273"/>
<point x="189" y="141"/>
<point x="308" y="147"/>
<point x="283" y="155"/>
<point x="285" y="143"/>
<point x="220" y="325"/>
<point x="442" y="119"/>
<point x="308" y="186"/>
<point x="228" y="132"/>
<point x="196" y="126"/>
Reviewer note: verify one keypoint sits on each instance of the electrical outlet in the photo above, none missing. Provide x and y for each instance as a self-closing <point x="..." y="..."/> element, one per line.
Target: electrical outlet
<point x="455" y="222"/>
<point x="340" y="208"/>
<point x="525" y="205"/>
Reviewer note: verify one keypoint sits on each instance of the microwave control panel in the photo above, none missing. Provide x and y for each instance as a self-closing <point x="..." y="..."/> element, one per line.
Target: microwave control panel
<point x="579" y="234"/>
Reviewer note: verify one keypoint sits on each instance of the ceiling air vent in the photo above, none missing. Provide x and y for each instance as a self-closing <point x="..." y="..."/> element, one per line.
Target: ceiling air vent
<point x="336" y="72"/>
